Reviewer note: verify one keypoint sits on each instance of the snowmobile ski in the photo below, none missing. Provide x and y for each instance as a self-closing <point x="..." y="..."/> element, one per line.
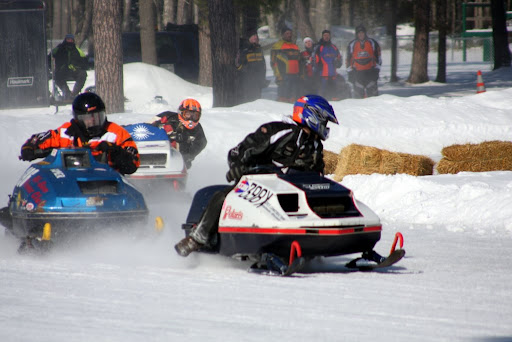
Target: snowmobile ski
<point x="392" y="259"/>
<point x="272" y="265"/>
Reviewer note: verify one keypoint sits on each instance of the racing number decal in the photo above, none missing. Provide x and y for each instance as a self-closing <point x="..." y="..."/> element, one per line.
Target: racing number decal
<point x="35" y="194"/>
<point x="256" y="194"/>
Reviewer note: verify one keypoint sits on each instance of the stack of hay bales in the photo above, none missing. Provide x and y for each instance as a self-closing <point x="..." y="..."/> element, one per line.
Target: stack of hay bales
<point x="330" y="160"/>
<point x="486" y="156"/>
<point x="359" y="159"/>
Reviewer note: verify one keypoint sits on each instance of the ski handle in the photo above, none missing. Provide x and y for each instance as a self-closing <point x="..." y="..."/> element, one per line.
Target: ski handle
<point x="42" y="153"/>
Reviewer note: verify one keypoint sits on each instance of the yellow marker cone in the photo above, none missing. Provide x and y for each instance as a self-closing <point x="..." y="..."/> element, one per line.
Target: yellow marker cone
<point x="47" y="232"/>
<point x="159" y="223"/>
<point x="480" y="85"/>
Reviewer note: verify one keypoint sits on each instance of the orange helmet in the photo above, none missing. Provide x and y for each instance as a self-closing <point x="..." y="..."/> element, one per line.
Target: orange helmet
<point x="189" y="113"/>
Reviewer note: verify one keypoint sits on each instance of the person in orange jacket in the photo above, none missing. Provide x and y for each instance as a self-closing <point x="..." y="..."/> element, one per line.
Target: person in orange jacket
<point x="285" y="61"/>
<point x="89" y="127"/>
<point x="363" y="64"/>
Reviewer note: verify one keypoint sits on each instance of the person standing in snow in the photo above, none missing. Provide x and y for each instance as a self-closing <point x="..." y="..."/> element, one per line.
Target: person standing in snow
<point x="251" y="68"/>
<point x="363" y="64"/>
<point x="327" y="58"/>
<point x="285" y="61"/>
<point x="309" y="78"/>
<point x="295" y="143"/>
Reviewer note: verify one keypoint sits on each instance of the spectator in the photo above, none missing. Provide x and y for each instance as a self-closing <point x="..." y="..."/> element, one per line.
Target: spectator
<point x="310" y="82"/>
<point x="70" y="64"/>
<point x="251" y="67"/>
<point x="295" y="142"/>
<point x="89" y="127"/>
<point x="285" y="61"/>
<point x="184" y="130"/>
<point x="363" y="64"/>
<point x="327" y="59"/>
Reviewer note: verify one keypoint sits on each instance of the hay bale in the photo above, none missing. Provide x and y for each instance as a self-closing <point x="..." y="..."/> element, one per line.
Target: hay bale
<point x="484" y="151"/>
<point x="486" y="156"/>
<point x="330" y="160"/>
<point x="359" y="159"/>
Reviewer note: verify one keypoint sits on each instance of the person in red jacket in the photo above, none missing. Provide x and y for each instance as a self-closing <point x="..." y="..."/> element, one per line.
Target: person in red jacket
<point x="89" y="127"/>
<point x="285" y="62"/>
<point x="363" y="64"/>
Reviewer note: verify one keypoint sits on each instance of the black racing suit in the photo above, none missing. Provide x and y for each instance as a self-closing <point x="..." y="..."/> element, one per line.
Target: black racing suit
<point x="275" y="143"/>
<point x="190" y="142"/>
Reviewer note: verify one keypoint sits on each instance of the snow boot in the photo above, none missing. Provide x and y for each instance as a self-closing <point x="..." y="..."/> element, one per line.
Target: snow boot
<point x="187" y="246"/>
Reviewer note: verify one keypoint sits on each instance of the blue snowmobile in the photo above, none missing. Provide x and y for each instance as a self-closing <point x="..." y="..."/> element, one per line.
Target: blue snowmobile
<point x="70" y="192"/>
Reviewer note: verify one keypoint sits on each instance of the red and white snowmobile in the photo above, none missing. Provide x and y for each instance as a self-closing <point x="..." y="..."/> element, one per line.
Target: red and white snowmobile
<point x="281" y="220"/>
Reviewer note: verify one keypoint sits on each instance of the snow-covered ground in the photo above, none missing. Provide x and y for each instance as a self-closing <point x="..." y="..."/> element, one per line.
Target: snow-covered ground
<point x="453" y="284"/>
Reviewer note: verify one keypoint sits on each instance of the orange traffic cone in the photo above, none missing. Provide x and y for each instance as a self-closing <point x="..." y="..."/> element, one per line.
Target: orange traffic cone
<point x="480" y="85"/>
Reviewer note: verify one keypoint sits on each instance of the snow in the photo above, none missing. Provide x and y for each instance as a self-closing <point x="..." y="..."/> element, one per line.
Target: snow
<point x="452" y="285"/>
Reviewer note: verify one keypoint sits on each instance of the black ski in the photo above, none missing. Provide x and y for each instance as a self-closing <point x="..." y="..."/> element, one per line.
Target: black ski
<point x="392" y="259"/>
<point x="283" y="271"/>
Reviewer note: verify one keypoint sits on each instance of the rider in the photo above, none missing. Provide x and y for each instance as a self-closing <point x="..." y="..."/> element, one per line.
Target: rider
<point x="184" y="130"/>
<point x="89" y="127"/>
<point x="295" y="142"/>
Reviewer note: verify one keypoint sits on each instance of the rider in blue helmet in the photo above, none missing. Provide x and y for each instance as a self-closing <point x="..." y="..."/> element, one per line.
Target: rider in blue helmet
<point x="314" y="112"/>
<point x="295" y="143"/>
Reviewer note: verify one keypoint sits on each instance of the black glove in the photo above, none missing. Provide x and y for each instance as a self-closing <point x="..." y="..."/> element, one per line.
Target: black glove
<point x="108" y="147"/>
<point x="235" y="173"/>
<point x="28" y="152"/>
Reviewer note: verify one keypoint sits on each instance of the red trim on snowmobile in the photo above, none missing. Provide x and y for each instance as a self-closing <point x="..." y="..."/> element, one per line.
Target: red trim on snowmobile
<point x="299" y="231"/>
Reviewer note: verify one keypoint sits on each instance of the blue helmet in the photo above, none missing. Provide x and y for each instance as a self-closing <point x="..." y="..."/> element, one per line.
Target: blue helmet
<point x="314" y="112"/>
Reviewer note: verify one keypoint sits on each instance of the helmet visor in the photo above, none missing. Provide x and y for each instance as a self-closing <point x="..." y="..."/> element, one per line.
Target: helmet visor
<point x="91" y="121"/>
<point x="193" y="115"/>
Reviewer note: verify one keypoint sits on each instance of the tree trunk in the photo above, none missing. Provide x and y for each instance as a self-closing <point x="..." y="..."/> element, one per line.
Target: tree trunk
<point x="147" y="32"/>
<point x="205" y="56"/>
<point x="500" y="35"/>
<point x="321" y="11"/>
<point x="169" y="15"/>
<point x="86" y="25"/>
<point x="185" y="14"/>
<point x="57" y="20"/>
<point x="223" y="51"/>
<point x="108" y="59"/>
<point x="392" y="9"/>
<point x="304" y="24"/>
<point x="127" y="6"/>
<point x="66" y="17"/>
<point x="250" y="17"/>
<point x="419" y="65"/>
<point x="442" y="26"/>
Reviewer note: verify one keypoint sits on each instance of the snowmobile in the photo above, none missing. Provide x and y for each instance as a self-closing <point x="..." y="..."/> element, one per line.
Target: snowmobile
<point x="281" y="220"/>
<point x="69" y="192"/>
<point x="158" y="159"/>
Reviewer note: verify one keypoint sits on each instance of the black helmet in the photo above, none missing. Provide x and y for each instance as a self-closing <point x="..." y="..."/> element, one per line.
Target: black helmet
<point x="89" y="113"/>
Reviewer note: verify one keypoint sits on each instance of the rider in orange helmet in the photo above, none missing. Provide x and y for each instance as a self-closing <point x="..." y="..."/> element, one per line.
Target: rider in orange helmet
<point x="183" y="129"/>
